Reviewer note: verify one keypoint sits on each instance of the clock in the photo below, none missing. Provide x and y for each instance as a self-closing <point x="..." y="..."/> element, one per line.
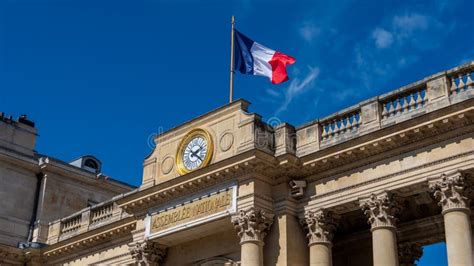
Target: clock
<point x="194" y="151"/>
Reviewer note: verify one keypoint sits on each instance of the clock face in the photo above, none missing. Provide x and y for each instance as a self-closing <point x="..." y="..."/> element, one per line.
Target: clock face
<point x="195" y="152"/>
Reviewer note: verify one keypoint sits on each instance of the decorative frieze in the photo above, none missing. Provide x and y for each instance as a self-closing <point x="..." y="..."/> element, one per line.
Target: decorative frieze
<point x="252" y="224"/>
<point x="381" y="210"/>
<point x="320" y="226"/>
<point x="147" y="252"/>
<point x="408" y="253"/>
<point x="451" y="190"/>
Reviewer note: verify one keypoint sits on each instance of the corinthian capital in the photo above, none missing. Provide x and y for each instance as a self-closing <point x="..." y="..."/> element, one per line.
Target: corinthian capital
<point x="408" y="253"/>
<point x="381" y="210"/>
<point x="320" y="226"/>
<point x="451" y="190"/>
<point x="252" y="224"/>
<point x="147" y="252"/>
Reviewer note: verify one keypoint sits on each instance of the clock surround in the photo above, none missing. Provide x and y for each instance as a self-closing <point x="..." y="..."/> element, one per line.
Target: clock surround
<point x="194" y="151"/>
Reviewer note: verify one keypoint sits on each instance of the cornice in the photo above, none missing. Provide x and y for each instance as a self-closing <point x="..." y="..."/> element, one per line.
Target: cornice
<point x="333" y="158"/>
<point x="50" y="165"/>
<point x="11" y="253"/>
<point x="91" y="238"/>
<point x="274" y="169"/>
<point x="253" y="162"/>
<point x="386" y="177"/>
<point x="22" y="160"/>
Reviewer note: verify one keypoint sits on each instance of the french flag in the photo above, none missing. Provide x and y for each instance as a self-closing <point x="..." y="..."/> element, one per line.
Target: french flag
<point x="255" y="59"/>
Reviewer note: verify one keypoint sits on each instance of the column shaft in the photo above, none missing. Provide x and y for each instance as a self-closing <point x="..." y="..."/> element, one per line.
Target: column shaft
<point x="252" y="254"/>
<point x="452" y="190"/>
<point x="384" y="245"/>
<point x="457" y="228"/>
<point x="320" y="255"/>
<point x="382" y="209"/>
<point x="251" y="226"/>
<point x="321" y="225"/>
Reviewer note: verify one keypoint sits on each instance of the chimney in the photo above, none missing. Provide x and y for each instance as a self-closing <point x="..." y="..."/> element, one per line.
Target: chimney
<point x="18" y="135"/>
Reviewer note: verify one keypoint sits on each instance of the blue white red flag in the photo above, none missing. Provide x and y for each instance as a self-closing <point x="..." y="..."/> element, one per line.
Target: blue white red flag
<point x="255" y="59"/>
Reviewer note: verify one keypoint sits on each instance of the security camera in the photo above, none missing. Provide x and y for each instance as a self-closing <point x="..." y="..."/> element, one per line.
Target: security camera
<point x="297" y="184"/>
<point x="296" y="188"/>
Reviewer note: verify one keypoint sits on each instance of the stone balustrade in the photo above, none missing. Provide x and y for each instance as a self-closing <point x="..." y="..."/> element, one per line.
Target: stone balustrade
<point x="427" y="95"/>
<point x="340" y="124"/>
<point x="85" y="220"/>
<point x="71" y="224"/>
<point x="405" y="102"/>
<point x="461" y="81"/>
<point x="101" y="213"/>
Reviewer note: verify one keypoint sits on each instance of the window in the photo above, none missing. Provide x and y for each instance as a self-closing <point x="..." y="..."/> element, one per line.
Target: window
<point x="91" y="164"/>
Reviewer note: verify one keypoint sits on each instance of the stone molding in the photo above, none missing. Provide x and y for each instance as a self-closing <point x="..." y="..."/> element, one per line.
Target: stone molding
<point x="381" y="210"/>
<point x="408" y="253"/>
<point x="452" y="191"/>
<point x="320" y="226"/>
<point x="6" y="255"/>
<point x="252" y="224"/>
<point x="147" y="252"/>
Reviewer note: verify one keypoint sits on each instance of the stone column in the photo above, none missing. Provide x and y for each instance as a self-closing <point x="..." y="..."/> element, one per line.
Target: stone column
<point x="251" y="226"/>
<point x="381" y="211"/>
<point x="320" y="225"/>
<point x="408" y="253"/>
<point x="147" y="252"/>
<point x="451" y="191"/>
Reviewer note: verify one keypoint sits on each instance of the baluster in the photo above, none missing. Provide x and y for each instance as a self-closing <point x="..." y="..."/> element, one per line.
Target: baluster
<point x="325" y="133"/>
<point x="469" y="83"/>
<point x="343" y="126"/>
<point x="330" y="130"/>
<point x="384" y="111"/>
<point x="412" y="101"/>
<point x="453" y="88"/>
<point x="406" y="105"/>
<point x="391" y="109"/>
<point x="461" y="83"/>
<point x="354" y="122"/>
<point x="336" y="128"/>
<point x="349" y="123"/>
<point x="418" y="99"/>
<point x="398" y="109"/>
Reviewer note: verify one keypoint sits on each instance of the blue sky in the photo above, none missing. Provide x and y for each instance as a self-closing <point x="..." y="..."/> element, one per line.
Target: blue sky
<point x="101" y="77"/>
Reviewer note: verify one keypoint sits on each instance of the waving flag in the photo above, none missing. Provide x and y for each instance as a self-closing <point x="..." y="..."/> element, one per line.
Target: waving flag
<point x="255" y="59"/>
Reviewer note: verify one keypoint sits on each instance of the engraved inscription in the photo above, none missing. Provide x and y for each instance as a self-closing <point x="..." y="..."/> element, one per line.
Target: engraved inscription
<point x="203" y="207"/>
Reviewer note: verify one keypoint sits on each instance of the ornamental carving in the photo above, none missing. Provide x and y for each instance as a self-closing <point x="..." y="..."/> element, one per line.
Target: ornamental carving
<point x="451" y="190"/>
<point x="408" y="253"/>
<point x="381" y="210"/>
<point x="147" y="252"/>
<point x="252" y="224"/>
<point x="320" y="226"/>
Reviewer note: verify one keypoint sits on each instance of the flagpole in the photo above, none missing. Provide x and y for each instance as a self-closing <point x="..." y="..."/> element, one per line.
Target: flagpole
<point x="232" y="62"/>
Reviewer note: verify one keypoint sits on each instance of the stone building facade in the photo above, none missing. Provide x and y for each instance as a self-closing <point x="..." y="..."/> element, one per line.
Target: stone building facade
<point x="36" y="189"/>
<point x="369" y="185"/>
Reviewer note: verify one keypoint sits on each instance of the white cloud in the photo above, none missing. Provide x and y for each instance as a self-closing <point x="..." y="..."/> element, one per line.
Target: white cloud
<point x="273" y="93"/>
<point x="297" y="87"/>
<point x="383" y="39"/>
<point x="409" y="23"/>
<point x="399" y="41"/>
<point x="309" y="31"/>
